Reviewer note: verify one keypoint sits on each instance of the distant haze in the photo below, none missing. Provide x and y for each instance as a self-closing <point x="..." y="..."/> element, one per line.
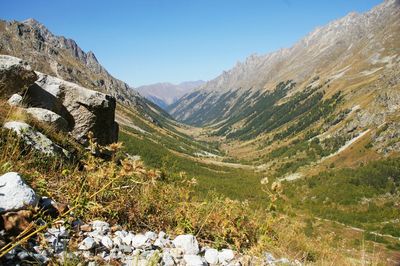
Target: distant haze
<point x="164" y="94"/>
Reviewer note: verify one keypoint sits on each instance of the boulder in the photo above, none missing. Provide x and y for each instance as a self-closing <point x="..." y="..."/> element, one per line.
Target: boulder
<point x="35" y="139"/>
<point x="188" y="243"/>
<point x="49" y="117"/>
<point x="15" y="194"/>
<point x="15" y="75"/>
<point x="85" y="110"/>
<point x="15" y="100"/>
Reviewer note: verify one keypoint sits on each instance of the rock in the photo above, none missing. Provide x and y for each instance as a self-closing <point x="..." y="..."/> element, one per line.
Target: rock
<point x="100" y="226"/>
<point x="211" y="256"/>
<point x="139" y="241"/>
<point x="107" y="242"/>
<point x="151" y="235"/>
<point x="86" y="228"/>
<point x="225" y="256"/>
<point x="15" y="75"/>
<point x="87" y="244"/>
<point x="117" y="241"/>
<point x="128" y="239"/>
<point x="193" y="260"/>
<point x="188" y="243"/>
<point x="49" y="117"/>
<point x="167" y="259"/>
<point x="35" y="139"/>
<point x="15" y="100"/>
<point x="84" y="110"/>
<point x="15" y="194"/>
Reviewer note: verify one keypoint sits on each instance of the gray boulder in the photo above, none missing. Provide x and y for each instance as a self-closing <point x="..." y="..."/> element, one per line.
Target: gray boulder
<point x="35" y="139"/>
<point x="15" y="194"/>
<point x="15" y="75"/>
<point x="15" y="100"/>
<point x="85" y="110"/>
<point x="47" y="116"/>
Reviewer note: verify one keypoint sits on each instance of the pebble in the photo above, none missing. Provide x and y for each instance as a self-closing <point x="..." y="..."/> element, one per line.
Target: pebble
<point x="193" y="260"/>
<point x="87" y="244"/>
<point x="107" y="242"/>
<point x="211" y="256"/>
<point x="100" y="245"/>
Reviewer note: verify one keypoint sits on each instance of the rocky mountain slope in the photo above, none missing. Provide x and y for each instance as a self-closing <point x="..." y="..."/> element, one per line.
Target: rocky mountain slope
<point x="63" y="58"/>
<point x="351" y="53"/>
<point x="165" y="94"/>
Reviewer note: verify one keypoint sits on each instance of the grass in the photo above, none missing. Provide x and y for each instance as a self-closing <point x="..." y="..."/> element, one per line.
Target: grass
<point x="222" y="206"/>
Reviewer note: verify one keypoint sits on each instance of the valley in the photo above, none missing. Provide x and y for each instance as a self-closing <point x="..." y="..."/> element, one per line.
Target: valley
<point x="294" y="154"/>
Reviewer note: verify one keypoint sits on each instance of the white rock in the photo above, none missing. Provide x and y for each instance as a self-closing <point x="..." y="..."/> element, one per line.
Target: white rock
<point x="15" y="193"/>
<point x="128" y="239"/>
<point x="188" y="243"/>
<point x="167" y="259"/>
<point x="15" y="100"/>
<point x="107" y="242"/>
<point x="87" y="244"/>
<point x="193" y="260"/>
<point x="117" y="241"/>
<point x="35" y="139"/>
<point x="121" y="233"/>
<point x="100" y="225"/>
<point x="151" y="235"/>
<point x="225" y="255"/>
<point x="211" y="256"/>
<point x="139" y="240"/>
<point x="47" y="116"/>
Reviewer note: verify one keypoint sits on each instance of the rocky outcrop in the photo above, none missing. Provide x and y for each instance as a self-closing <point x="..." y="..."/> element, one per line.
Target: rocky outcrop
<point x="84" y="110"/>
<point x="35" y="139"/>
<point x="15" y="75"/>
<point x="15" y="194"/>
<point x="49" y="117"/>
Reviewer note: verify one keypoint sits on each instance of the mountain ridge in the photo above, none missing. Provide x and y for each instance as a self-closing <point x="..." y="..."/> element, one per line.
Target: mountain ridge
<point x="165" y="93"/>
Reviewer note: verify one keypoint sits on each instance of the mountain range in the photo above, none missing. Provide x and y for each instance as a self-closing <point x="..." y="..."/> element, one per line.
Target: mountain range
<point x="165" y="94"/>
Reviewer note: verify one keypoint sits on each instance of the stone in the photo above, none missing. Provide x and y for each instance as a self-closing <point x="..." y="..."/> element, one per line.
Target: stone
<point x="128" y="239"/>
<point x="167" y="259"/>
<point x="15" y="100"/>
<point x="100" y="226"/>
<point x="85" y="110"/>
<point x="188" y="243"/>
<point x="117" y="241"/>
<point x="86" y="228"/>
<point x="49" y="117"/>
<point x="15" y="194"/>
<point x="139" y="241"/>
<point x="193" y="260"/>
<point x="87" y="244"/>
<point x="15" y="75"/>
<point x="107" y="242"/>
<point x="35" y="139"/>
<point x="151" y="235"/>
<point x="211" y="256"/>
<point x="225" y="255"/>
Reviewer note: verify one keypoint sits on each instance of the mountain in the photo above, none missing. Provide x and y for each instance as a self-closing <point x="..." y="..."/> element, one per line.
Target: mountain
<point x="63" y="58"/>
<point x="164" y="94"/>
<point x="349" y="53"/>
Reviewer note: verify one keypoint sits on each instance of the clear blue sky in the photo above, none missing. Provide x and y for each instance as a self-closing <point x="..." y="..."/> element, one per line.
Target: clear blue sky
<point x="148" y="41"/>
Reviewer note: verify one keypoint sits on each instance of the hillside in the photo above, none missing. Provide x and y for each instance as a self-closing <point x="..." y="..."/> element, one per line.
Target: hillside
<point x="165" y="94"/>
